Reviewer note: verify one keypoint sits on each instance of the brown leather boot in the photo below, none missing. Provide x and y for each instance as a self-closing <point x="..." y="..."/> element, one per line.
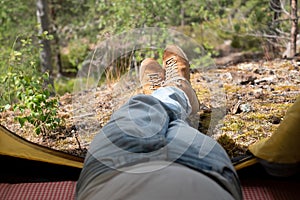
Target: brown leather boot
<point x="152" y="75"/>
<point x="177" y="68"/>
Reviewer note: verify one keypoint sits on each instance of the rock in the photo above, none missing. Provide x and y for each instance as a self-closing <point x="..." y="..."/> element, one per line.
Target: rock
<point x="242" y="78"/>
<point x="235" y="108"/>
<point x="237" y="57"/>
<point x="248" y="79"/>
<point x="258" y="93"/>
<point x="239" y="108"/>
<point x="225" y="49"/>
<point x="259" y="71"/>
<point x="269" y="79"/>
<point x="287" y="52"/>
<point x="245" y="107"/>
<point x="226" y="76"/>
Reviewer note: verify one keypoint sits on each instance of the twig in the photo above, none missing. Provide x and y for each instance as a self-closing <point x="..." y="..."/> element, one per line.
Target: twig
<point x="85" y="115"/>
<point x="77" y="140"/>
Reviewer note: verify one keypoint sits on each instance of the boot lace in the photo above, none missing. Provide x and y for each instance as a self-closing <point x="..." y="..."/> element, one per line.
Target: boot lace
<point x="155" y="80"/>
<point x="172" y="74"/>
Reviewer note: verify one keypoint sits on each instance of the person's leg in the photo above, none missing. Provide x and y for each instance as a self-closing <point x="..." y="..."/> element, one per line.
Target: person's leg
<point x="155" y="128"/>
<point x="189" y="147"/>
<point x="186" y="145"/>
<point x="152" y="128"/>
<point x="175" y="102"/>
<point x="135" y="133"/>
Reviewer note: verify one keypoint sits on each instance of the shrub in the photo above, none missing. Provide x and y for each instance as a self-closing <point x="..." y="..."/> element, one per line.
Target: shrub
<point x="24" y="89"/>
<point x="35" y="104"/>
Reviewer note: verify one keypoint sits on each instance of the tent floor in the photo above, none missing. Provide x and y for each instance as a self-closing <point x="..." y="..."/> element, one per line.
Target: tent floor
<point x="20" y="175"/>
<point x="257" y="184"/>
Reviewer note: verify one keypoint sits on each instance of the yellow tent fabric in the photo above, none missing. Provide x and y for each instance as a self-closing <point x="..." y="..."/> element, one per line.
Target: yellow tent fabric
<point x="283" y="147"/>
<point x="14" y="145"/>
<point x="245" y="163"/>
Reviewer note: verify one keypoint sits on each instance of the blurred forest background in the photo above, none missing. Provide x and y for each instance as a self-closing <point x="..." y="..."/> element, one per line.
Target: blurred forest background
<point x="44" y="42"/>
<point x="74" y="27"/>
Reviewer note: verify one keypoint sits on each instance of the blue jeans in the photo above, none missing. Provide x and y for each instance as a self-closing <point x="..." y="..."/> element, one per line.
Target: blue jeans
<point x="154" y="127"/>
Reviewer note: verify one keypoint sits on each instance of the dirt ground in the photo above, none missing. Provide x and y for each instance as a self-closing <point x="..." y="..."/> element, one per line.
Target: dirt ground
<point x="240" y="104"/>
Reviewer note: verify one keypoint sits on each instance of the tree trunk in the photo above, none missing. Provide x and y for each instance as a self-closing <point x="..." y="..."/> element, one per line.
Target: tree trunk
<point x="276" y="8"/>
<point x="271" y="46"/>
<point x="45" y="54"/>
<point x="294" y="27"/>
<point x="182" y="11"/>
<point x="58" y="68"/>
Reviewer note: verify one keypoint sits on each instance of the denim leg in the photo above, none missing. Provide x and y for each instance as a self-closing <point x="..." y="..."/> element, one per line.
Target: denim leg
<point x="154" y="128"/>
<point x="191" y="148"/>
<point x="135" y="133"/>
<point x="175" y="101"/>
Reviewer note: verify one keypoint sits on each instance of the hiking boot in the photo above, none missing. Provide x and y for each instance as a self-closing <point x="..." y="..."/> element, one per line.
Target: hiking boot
<point x="152" y="75"/>
<point x="176" y="63"/>
<point x="177" y="68"/>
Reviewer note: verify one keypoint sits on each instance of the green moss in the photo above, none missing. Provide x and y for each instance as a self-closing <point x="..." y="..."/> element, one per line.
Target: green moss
<point x="257" y="116"/>
<point x="233" y="124"/>
<point x="232" y="148"/>
<point x="232" y="88"/>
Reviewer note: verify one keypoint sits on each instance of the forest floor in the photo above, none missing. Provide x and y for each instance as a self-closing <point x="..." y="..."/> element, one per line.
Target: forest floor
<point x="240" y="104"/>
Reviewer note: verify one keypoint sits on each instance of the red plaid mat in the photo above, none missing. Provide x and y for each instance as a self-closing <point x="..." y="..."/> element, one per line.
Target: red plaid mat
<point x="252" y="190"/>
<point x="64" y="190"/>
<point x="270" y="190"/>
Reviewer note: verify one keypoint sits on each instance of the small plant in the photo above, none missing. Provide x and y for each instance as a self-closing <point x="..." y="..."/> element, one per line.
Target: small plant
<point x="33" y="100"/>
<point x="35" y="104"/>
<point x="24" y="89"/>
